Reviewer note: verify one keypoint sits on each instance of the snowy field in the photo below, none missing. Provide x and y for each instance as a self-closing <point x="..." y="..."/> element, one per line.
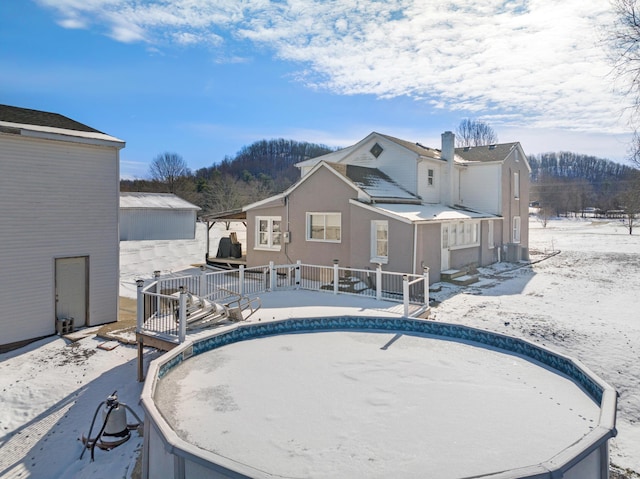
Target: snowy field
<point x="583" y="302"/>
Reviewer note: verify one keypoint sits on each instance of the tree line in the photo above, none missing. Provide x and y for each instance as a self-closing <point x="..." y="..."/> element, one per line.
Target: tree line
<point x="568" y="183"/>
<point x="264" y="168"/>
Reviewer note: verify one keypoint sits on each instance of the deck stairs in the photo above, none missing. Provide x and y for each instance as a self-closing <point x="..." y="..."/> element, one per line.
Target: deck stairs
<point x="459" y="277"/>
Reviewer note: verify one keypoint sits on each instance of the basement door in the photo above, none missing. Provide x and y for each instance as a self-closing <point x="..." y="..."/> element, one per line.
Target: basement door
<point x="72" y="289"/>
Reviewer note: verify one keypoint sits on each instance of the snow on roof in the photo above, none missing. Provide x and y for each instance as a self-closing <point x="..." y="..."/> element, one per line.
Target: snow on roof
<point x="417" y="213"/>
<point x="159" y="201"/>
<point x="374" y="182"/>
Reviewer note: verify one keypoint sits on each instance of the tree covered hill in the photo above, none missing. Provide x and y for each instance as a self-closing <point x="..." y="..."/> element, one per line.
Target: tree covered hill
<point x="568" y="181"/>
<point x="563" y="181"/>
<point x="257" y="171"/>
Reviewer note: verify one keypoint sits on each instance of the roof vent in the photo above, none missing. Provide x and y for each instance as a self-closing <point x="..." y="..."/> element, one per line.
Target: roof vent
<point x="492" y="147"/>
<point x="376" y="150"/>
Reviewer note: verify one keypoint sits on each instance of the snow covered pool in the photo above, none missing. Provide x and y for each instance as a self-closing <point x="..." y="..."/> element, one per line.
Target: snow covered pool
<point x="372" y="397"/>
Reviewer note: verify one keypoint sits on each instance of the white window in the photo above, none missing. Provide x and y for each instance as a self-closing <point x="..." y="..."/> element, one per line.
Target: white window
<point x="430" y="175"/>
<point x="490" y="241"/>
<point x="461" y="234"/>
<point x="516" y="229"/>
<point x="516" y="185"/>
<point x="379" y="241"/>
<point x="268" y="233"/>
<point x="324" y="227"/>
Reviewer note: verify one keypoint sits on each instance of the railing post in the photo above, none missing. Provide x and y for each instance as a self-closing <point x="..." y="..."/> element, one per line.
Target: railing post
<point x="272" y="276"/>
<point x="297" y="277"/>
<point x="379" y="282"/>
<point x="202" y="289"/>
<point x="241" y="279"/>
<point x="425" y="276"/>
<point x="182" y="327"/>
<point x="405" y="294"/>
<point x="336" y="277"/>
<point x="139" y="305"/>
<point x="158" y="289"/>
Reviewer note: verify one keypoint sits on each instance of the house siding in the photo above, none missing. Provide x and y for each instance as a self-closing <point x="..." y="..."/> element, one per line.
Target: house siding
<point x="400" y="238"/>
<point x="428" y="250"/>
<point x="429" y="194"/>
<point x="59" y="199"/>
<point x="512" y="206"/>
<point x="475" y="181"/>
<point x="152" y="224"/>
<point x="322" y="193"/>
<point x="395" y="161"/>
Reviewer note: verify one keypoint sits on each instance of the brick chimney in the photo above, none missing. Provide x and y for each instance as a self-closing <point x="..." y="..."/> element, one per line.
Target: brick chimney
<point x="447" y="153"/>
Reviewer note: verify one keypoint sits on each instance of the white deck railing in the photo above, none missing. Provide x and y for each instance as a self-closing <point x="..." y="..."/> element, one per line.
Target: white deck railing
<point x="162" y="304"/>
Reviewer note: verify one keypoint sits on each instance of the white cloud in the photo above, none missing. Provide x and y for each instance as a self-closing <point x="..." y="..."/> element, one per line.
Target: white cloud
<point x="534" y="63"/>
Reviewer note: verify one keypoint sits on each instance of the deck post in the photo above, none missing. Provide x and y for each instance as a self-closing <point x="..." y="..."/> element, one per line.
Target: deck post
<point x="241" y="279"/>
<point x="202" y="287"/>
<point x="139" y="305"/>
<point x="379" y="282"/>
<point x="272" y="276"/>
<point x="405" y="293"/>
<point x="182" y="331"/>
<point x="139" y="325"/>
<point x="336" y="277"/>
<point x="297" y="276"/>
<point x="425" y="276"/>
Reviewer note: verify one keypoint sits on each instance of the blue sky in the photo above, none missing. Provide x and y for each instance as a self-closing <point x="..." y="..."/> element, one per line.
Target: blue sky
<point x="204" y="78"/>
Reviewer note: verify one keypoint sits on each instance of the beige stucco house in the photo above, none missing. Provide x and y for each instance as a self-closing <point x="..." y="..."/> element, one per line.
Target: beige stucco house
<point x="402" y="205"/>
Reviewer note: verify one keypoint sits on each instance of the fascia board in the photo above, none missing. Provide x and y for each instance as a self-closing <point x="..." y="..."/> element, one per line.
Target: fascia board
<point x="380" y="211"/>
<point x="60" y="134"/>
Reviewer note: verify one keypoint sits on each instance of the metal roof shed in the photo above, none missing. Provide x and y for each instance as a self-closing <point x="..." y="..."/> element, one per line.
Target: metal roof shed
<point x="156" y="216"/>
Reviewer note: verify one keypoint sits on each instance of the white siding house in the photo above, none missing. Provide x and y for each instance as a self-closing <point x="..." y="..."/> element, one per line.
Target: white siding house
<point x="156" y="216"/>
<point x="59" y="193"/>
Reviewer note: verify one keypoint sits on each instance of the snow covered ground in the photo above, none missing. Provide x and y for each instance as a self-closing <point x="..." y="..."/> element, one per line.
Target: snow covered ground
<point x="583" y="302"/>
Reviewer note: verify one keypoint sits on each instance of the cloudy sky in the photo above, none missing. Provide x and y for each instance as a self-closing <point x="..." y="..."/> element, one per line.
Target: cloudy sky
<point x="204" y="78"/>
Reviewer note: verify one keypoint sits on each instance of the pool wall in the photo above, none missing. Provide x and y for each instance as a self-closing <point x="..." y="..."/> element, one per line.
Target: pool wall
<point x="165" y="455"/>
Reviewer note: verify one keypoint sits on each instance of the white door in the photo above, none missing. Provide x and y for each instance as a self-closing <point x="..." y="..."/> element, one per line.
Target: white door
<point x="71" y="289"/>
<point x="444" y="253"/>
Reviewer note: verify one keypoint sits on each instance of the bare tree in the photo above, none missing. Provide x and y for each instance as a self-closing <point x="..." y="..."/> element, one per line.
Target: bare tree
<point x="168" y="168"/>
<point x="624" y="39"/>
<point x="475" y="133"/>
<point x="629" y="202"/>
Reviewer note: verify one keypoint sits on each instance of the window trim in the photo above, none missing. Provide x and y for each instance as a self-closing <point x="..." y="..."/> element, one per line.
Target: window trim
<point x="309" y="214"/>
<point x="463" y="234"/>
<point x="431" y="175"/>
<point x="375" y="258"/>
<point x="516" y="229"/>
<point x="271" y="246"/>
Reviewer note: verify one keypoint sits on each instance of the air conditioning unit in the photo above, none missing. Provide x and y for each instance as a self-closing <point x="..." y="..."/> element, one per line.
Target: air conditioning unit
<point x="512" y="253"/>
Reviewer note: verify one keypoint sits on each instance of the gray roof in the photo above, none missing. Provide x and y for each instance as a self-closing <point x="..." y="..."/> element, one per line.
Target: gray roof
<point x="375" y="183"/>
<point x="486" y="153"/>
<point x="163" y="201"/>
<point x="415" y="147"/>
<point x="25" y="116"/>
